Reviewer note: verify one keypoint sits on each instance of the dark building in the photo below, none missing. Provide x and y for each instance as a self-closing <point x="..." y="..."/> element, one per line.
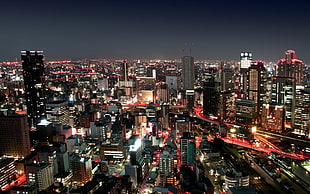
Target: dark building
<point x="188" y="73"/>
<point x="188" y="150"/>
<point x="33" y="72"/>
<point x="245" y="111"/>
<point x="211" y="97"/>
<point x="14" y="136"/>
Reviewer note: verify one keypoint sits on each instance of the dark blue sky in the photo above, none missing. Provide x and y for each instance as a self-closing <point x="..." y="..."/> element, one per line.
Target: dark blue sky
<point x="218" y="29"/>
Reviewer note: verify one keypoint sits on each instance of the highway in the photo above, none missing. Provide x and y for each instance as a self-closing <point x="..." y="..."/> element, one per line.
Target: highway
<point x="261" y="132"/>
<point x="267" y="149"/>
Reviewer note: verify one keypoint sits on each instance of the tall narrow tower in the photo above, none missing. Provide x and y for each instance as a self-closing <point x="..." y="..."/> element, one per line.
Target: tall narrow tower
<point x="33" y="71"/>
<point x="188" y="73"/>
<point x="257" y="84"/>
<point x="245" y="63"/>
<point x="187" y="149"/>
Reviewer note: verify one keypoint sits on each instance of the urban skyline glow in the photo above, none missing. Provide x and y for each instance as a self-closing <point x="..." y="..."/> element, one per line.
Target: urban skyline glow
<point x="161" y="29"/>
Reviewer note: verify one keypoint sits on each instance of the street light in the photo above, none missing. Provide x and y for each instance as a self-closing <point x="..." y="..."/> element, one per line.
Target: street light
<point x="232" y="130"/>
<point x="253" y="129"/>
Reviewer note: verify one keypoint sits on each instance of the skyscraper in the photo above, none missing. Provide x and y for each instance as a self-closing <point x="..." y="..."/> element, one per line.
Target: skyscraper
<point x="211" y="97"/>
<point x="81" y="169"/>
<point x="283" y="93"/>
<point x="14" y="136"/>
<point x="33" y="72"/>
<point x="290" y="66"/>
<point x="188" y="73"/>
<point x="245" y="60"/>
<point x="302" y="111"/>
<point x="245" y="63"/>
<point x="257" y="84"/>
<point x="188" y="150"/>
<point x="165" y="166"/>
<point x="40" y="175"/>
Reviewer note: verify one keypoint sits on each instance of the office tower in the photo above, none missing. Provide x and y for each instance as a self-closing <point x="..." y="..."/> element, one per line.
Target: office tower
<point x="227" y="80"/>
<point x="14" y="136"/>
<point x="103" y="84"/>
<point x="162" y="94"/>
<point x="227" y="106"/>
<point x="245" y="60"/>
<point x="272" y="118"/>
<point x="190" y="100"/>
<point x="45" y="155"/>
<point x="302" y="111"/>
<point x="40" y="175"/>
<point x="136" y="156"/>
<point x="172" y="82"/>
<point x="81" y="170"/>
<point x="188" y="73"/>
<point x="44" y="133"/>
<point x="257" y="84"/>
<point x="99" y="129"/>
<point x="283" y="93"/>
<point x="140" y="69"/>
<point x="58" y="112"/>
<point x="188" y="149"/>
<point x="290" y="66"/>
<point x="245" y="63"/>
<point x="7" y="171"/>
<point x="33" y="72"/>
<point x="124" y="81"/>
<point x="211" y="97"/>
<point x="134" y="171"/>
<point x="245" y="111"/>
<point x="165" y="166"/>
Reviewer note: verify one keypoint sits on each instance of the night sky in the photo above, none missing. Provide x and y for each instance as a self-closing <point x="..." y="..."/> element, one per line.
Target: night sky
<point x="218" y="29"/>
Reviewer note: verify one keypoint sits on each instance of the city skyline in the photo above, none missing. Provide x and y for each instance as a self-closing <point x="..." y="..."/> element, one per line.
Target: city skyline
<point x="161" y="29"/>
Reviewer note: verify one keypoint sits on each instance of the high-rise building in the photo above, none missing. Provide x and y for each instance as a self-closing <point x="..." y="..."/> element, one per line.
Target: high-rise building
<point x="188" y="149"/>
<point x="257" y="84"/>
<point x="40" y="175"/>
<point x="290" y="66"/>
<point x="227" y="106"/>
<point x="245" y="63"/>
<point x="165" y="166"/>
<point x="162" y="94"/>
<point x="283" y="93"/>
<point x="7" y="171"/>
<point x="172" y="82"/>
<point x="33" y="72"/>
<point x="124" y="81"/>
<point x="227" y="80"/>
<point x="81" y="169"/>
<point x="58" y="112"/>
<point x="211" y="97"/>
<point x="134" y="171"/>
<point x="188" y="73"/>
<point x="302" y="111"/>
<point x="14" y="136"/>
<point x="136" y="155"/>
<point x="272" y="118"/>
<point x="245" y="111"/>
<point x="245" y="60"/>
